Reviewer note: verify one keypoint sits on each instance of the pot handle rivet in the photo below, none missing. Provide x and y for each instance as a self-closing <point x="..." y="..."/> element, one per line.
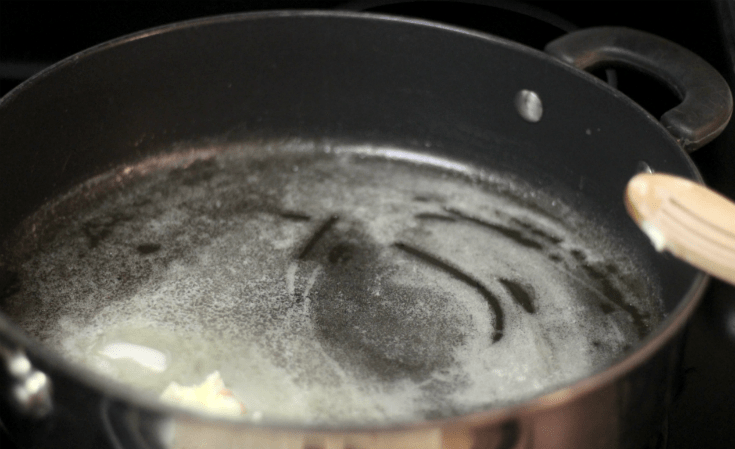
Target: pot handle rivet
<point x="643" y="167"/>
<point x="529" y="106"/>
<point x="30" y="388"/>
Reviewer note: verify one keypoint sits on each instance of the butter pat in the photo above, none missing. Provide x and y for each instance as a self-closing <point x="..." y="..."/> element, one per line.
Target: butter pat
<point x="658" y="239"/>
<point x="210" y="396"/>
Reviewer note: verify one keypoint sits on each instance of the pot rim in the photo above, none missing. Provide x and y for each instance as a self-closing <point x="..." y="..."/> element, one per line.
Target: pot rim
<point x="664" y="333"/>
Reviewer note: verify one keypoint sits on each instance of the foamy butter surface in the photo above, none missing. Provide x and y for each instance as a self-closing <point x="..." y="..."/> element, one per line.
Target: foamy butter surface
<point x="350" y="285"/>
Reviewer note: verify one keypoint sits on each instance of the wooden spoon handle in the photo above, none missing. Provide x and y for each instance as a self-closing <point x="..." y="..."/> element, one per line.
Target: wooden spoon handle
<point x="687" y="219"/>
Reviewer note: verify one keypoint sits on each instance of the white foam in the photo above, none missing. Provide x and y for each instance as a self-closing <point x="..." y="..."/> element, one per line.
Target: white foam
<point x="227" y="292"/>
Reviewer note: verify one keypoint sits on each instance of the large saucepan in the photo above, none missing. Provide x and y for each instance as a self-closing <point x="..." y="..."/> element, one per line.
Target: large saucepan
<point x="366" y="79"/>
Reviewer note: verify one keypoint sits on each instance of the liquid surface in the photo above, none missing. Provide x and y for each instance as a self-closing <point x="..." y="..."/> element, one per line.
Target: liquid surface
<point x="338" y="285"/>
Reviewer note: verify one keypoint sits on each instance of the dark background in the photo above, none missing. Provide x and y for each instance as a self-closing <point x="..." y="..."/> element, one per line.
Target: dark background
<point x="35" y="34"/>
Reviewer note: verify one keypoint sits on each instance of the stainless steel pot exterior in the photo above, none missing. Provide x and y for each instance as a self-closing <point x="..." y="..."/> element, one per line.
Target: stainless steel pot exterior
<point x="354" y="78"/>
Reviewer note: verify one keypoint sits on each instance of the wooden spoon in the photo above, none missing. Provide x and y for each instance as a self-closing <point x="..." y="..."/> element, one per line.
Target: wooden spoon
<point x="687" y="219"/>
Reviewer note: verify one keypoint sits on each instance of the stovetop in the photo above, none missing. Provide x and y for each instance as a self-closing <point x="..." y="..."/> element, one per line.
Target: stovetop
<point x="36" y="34"/>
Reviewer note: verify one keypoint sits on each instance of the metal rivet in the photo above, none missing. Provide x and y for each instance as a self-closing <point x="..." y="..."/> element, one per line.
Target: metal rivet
<point x="643" y="167"/>
<point x="36" y="383"/>
<point x="19" y="366"/>
<point x="30" y="387"/>
<point x="528" y="104"/>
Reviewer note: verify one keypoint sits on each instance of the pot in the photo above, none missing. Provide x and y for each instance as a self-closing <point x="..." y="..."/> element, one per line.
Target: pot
<point x="387" y="82"/>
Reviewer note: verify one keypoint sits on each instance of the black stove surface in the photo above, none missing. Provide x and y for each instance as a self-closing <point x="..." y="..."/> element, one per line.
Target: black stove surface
<point x="36" y="34"/>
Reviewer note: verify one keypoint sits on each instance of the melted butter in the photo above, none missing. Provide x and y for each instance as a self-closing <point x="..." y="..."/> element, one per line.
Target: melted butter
<point x="142" y="355"/>
<point x="210" y="396"/>
<point x="354" y="289"/>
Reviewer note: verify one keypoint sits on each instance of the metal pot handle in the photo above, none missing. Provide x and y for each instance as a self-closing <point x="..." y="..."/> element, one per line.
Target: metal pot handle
<point x="706" y="101"/>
